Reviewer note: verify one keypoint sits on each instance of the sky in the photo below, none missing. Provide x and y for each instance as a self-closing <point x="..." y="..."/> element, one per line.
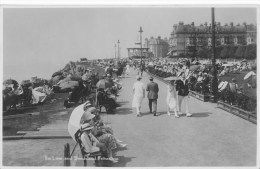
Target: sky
<point x="40" y="41"/>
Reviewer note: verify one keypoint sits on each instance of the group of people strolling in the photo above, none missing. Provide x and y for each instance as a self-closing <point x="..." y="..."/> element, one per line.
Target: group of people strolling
<point x="177" y="94"/>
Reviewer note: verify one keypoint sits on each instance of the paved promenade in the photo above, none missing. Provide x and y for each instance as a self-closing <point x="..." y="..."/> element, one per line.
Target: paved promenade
<point x="211" y="137"/>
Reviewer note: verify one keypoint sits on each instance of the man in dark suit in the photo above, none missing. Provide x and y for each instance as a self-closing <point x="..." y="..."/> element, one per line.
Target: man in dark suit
<point x="152" y="95"/>
<point x="110" y="70"/>
<point x="183" y="93"/>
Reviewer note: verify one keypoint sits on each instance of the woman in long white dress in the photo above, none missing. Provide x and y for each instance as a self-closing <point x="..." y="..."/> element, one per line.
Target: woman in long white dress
<point x="171" y="99"/>
<point x="127" y="69"/>
<point x="139" y="95"/>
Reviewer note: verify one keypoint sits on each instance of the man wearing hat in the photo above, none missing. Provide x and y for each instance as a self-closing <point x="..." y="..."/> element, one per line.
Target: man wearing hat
<point x="182" y="93"/>
<point x="109" y="81"/>
<point x="110" y="70"/>
<point x="152" y="89"/>
<point x="91" y="143"/>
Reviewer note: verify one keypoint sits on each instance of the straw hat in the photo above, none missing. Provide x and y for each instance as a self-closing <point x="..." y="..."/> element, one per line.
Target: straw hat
<point x="86" y="127"/>
<point x="87" y="116"/>
<point x="138" y="77"/>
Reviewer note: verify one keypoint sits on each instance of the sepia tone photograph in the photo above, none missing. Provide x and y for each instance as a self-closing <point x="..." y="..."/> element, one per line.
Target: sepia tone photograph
<point x="124" y="86"/>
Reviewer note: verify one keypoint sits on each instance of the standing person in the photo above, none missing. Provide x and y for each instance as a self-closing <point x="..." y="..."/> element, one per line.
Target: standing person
<point x="110" y="70"/>
<point x="127" y="69"/>
<point x="141" y="68"/>
<point x="138" y="68"/>
<point x="139" y="94"/>
<point x="152" y="95"/>
<point x="182" y="94"/>
<point x="171" y="98"/>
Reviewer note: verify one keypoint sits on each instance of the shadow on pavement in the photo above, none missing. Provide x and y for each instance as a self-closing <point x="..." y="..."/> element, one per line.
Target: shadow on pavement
<point x="20" y="110"/>
<point x="123" y="111"/>
<point x="201" y="114"/>
<point x="123" y="103"/>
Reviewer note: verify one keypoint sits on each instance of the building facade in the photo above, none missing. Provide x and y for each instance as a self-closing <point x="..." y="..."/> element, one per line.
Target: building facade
<point x="185" y="36"/>
<point x="157" y="47"/>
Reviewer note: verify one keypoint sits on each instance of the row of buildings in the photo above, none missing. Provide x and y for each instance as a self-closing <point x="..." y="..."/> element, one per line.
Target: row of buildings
<point x="184" y="36"/>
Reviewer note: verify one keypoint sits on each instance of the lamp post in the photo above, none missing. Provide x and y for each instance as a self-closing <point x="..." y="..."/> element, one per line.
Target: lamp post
<point x="118" y="49"/>
<point x="214" y="82"/>
<point x="115" y="51"/>
<point x="141" y="45"/>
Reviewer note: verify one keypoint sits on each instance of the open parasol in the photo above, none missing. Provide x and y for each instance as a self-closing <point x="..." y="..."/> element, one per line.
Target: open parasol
<point x="56" y="73"/>
<point x="248" y="75"/>
<point x="194" y="67"/>
<point x="227" y="64"/>
<point x="68" y="85"/>
<point x="10" y="82"/>
<point x="171" y="78"/>
<point x="103" y="84"/>
<point x="75" y="119"/>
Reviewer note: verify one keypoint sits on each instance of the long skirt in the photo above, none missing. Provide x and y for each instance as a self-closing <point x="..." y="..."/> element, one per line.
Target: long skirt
<point x="137" y="101"/>
<point x="171" y="101"/>
<point x="109" y="141"/>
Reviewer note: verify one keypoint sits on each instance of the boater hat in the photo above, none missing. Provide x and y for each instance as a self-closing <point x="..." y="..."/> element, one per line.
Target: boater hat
<point x="138" y="77"/>
<point x="87" y="116"/>
<point x="86" y="127"/>
<point x="151" y="78"/>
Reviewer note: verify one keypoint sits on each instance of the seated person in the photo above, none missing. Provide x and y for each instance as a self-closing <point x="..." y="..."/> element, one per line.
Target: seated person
<point x="91" y="141"/>
<point x="103" y="98"/>
<point x="233" y="86"/>
<point x="77" y="93"/>
<point x="102" y="128"/>
<point x="200" y="77"/>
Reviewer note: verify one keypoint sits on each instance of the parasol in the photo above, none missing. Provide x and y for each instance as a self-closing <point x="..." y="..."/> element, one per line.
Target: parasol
<point x="26" y="82"/>
<point x="228" y="64"/>
<point x="10" y="81"/>
<point x="56" y="73"/>
<point x="85" y="77"/>
<point x="244" y="60"/>
<point x="248" y="75"/>
<point x="103" y="84"/>
<point x="194" y="67"/>
<point x="75" y="119"/>
<point x="66" y="79"/>
<point x="171" y="78"/>
<point x="68" y="84"/>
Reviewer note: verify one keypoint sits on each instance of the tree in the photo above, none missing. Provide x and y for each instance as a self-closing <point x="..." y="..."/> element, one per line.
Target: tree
<point x="240" y="52"/>
<point x="224" y="53"/>
<point x="232" y="51"/>
<point x="218" y="50"/>
<point x="250" y="52"/>
<point x="192" y="51"/>
<point x="202" y="53"/>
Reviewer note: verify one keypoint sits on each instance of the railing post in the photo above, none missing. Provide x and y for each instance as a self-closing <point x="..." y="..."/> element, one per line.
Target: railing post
<point x="67" y="154"/>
